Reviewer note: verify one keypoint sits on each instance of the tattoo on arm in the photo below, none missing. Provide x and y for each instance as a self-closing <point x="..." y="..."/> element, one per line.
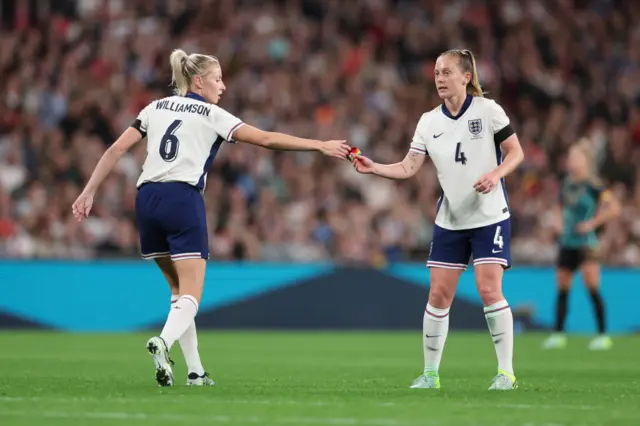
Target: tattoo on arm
<point x="413" y="158"/>
<point x="412" y="161"/>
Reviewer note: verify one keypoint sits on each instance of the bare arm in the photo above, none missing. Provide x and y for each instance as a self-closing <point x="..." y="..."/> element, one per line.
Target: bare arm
<point x="558" y="219"/>
<point x="608" y="209"/>
<point x="110" y="158"/>
<point x="512" y="156"/>
<point x="284" y="142"/>
<point x="403" y="170"/>
<point x="82" y="206"/>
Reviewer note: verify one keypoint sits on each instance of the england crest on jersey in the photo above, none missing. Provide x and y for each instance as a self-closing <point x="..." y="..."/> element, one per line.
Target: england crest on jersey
<point x="475" y="127"/>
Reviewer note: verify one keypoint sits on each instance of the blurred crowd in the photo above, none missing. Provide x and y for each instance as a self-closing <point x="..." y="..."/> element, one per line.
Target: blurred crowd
<point x="74" y="75"/>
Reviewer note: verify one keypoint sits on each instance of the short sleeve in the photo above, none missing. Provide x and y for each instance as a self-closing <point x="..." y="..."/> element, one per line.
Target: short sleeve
<point x="500" y="123"/>
<point x="419" y="142"/>
<point x="225" y="124"/>
<point x="142" y="121"/>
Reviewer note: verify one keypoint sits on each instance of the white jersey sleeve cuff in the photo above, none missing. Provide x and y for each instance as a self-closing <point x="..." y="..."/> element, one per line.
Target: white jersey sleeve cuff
<point x="418" y="150"/>
<point x="229" y="137"/>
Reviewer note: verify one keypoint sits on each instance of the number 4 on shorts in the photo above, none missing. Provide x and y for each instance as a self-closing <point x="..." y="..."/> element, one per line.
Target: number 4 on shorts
<point x="497" y="239"/>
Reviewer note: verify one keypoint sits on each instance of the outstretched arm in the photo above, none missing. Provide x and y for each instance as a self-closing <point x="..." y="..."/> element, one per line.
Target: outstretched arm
<point x="284" y="142"/>
<point x="402" y="170"/>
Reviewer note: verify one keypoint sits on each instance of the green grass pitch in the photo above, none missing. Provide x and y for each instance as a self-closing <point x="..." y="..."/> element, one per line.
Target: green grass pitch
<point x="311" y="378"/>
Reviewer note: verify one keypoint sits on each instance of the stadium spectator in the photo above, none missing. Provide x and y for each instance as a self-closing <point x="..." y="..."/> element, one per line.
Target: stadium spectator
<point x="75" y="74"/>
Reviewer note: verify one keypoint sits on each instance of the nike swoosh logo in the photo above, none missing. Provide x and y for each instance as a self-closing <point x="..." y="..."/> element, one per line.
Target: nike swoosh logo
<point x="432" y="349"/>
<point x="435" y="335"/>
<point x="497" y="334"/>
<point x="437" y="136"/>
<point x="496" y="251"/>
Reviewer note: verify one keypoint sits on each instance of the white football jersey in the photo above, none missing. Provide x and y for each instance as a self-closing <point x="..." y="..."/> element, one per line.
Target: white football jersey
<point x="184" y="134"/>
<point x="463" y="148"/>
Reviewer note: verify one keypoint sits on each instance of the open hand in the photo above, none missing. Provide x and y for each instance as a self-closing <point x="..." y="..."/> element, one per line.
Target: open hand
<point x="337" y="149"/>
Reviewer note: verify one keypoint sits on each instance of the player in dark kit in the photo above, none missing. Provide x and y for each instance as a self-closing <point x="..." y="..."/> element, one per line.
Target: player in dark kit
<point x="585" y="205"/>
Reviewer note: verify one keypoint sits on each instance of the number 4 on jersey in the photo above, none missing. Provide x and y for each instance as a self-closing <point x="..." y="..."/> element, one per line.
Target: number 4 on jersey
<point x="169" y="143"/>
<point x="460" y="157"/>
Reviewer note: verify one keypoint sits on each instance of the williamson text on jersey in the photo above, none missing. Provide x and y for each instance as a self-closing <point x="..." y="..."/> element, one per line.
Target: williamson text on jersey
<point x="179" y="107"/>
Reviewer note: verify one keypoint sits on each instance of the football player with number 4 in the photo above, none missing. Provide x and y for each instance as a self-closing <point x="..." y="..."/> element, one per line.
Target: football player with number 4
<point x="184" y="133"/>
<point x="473" y="147"/>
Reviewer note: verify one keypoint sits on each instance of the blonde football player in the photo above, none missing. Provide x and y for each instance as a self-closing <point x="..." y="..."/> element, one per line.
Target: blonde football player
<point x="473" y="147"/>
<point x="184" y="133"/>
<point x="585" y="205"/>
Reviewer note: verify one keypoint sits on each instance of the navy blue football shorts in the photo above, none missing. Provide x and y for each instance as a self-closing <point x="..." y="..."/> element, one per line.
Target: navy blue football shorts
<point x="488" y="244"/>
<point x="172" y="221"/>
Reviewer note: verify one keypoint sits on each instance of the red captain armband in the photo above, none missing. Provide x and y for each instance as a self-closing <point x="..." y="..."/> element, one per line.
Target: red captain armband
<point x="354" y="151"/>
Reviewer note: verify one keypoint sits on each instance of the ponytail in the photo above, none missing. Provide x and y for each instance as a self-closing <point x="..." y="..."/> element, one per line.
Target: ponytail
<point x="467" y="63"/>
<point x="473" y="88"/>
<point x="179" y="78"/>
<point x="185" y="67"/>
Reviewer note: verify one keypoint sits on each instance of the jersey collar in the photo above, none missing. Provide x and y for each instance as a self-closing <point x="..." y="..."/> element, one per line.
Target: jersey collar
<point x="465" y="107"/>
<point x="195" y="96"/>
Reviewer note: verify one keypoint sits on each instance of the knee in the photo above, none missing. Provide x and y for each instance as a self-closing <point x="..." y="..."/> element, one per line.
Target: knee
<point x="441" y="295"/>
<point x="564" y="280"/>
<point x="591" y="277"/>
<point x="490" y="290"/>
<point x="564" y="286"/>
<point x="592" y="283"/>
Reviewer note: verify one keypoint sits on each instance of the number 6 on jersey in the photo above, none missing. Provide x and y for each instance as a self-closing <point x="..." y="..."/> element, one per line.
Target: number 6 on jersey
<point x="169" y="144"/>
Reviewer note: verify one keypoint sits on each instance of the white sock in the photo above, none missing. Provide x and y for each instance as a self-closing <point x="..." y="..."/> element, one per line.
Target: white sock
<point x="435" y="327"/>
<point x="500" y="322"/>
<point x="181" y="315"/>
<point x="189" y="345"/>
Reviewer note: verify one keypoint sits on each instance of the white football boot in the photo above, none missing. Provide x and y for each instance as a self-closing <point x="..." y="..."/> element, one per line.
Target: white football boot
<point x="195" y="380"/>
<point x="158" y="350"/>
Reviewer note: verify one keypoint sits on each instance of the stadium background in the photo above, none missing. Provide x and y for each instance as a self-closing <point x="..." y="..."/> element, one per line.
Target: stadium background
<point x="300" y="243"/>
<point x="294" y="233"/>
